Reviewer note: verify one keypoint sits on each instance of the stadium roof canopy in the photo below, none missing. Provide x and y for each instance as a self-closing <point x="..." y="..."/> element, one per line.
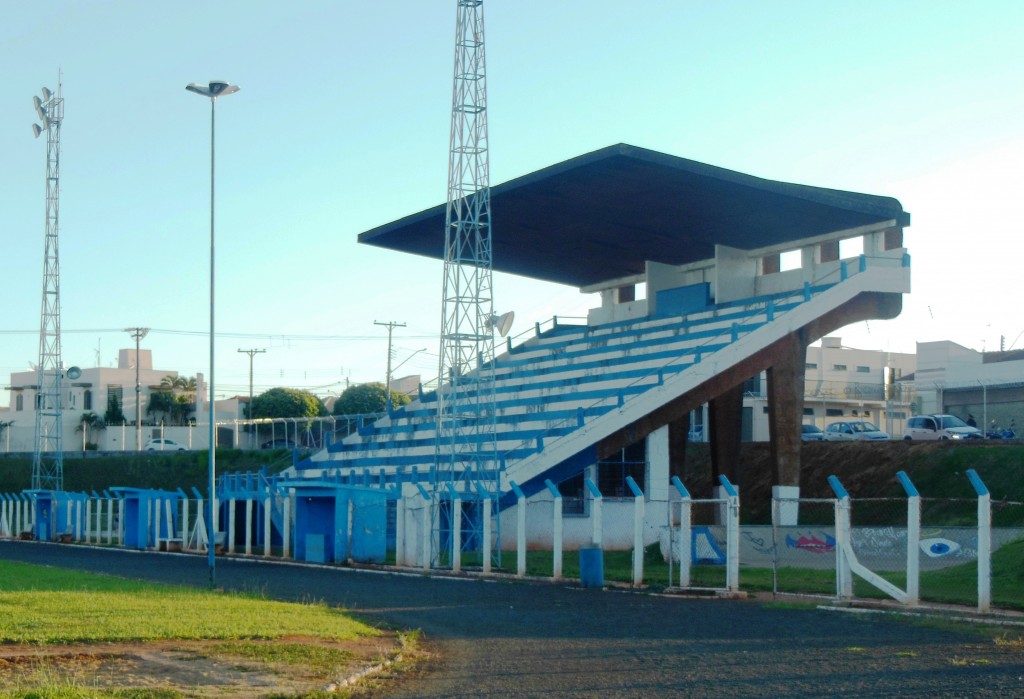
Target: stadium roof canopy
<point x="601" y="215"/>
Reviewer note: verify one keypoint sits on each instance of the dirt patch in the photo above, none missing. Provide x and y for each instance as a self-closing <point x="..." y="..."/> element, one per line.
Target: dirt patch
<point x="252" y="668"/>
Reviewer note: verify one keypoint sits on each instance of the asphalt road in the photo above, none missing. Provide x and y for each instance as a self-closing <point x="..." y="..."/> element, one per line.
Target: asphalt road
<point x="527" y="639"/>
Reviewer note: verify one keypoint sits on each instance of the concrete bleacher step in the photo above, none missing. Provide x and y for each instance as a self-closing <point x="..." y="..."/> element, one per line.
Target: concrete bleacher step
<point x="557" y="382"/>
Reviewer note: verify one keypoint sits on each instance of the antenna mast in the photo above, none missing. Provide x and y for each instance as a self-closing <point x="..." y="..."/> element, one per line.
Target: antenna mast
<point x="466" y="447"/>
<point x="48" y="454"/>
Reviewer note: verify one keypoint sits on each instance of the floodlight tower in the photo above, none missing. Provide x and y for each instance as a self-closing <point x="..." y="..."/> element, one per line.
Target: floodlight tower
<point x="48" y="452"/>
<point x="466" y="447"/>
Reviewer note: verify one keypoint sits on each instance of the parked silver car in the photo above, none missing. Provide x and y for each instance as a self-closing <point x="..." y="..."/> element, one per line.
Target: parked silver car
<point x="932" y="427"/>
<point x="854" y="430"/>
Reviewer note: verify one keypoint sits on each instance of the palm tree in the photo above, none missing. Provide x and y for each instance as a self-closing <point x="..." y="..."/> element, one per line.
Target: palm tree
<point x="88" y="423"/>
<point x="181" y="397"/>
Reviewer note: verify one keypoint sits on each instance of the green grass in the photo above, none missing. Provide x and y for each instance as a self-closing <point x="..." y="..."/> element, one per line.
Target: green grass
<point x="321" y="659"/>
<point x="52" y="605"/>
<point x="953" y="585"/>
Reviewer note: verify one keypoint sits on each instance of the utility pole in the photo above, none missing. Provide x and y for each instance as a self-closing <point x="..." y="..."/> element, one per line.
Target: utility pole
<point x="138" y="334"/>
<point x="252" y="353"/>
<point x="390" y="325"/>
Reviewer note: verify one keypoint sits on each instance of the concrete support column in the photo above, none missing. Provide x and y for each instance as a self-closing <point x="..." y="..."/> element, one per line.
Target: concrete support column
<point x="785" y="411"/>
<point x="677" y="438"/>
<point x="726" y="418"/>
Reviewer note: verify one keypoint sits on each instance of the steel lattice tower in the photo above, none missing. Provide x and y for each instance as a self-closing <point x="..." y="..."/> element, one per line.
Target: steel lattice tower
<point x="48" y="455"/>
<point x="466" y="444"/>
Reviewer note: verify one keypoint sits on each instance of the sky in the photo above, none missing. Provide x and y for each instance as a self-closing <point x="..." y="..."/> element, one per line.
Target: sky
<point x="342" y="124"/>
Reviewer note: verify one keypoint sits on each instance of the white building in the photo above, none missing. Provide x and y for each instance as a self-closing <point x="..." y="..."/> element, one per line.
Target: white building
<point x="951" y="378"/>
<point x="99" y="390"/>
<point x="839" y="383"/>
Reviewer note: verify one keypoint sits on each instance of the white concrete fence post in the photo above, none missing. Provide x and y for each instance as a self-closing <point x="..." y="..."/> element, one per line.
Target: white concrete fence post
<point x="248" y="526"/>
<point x="685" y="532"/>
<point x="231" y="525"/>
<point x="487" y="533"/>
<point x="732" y="535"/>
<point x="520" y="529"/>
<point x="286" y="534"/>
<point x="597" y="523"/>
<point x="984" y="540"/>
<point x="913" y="538"/>
<point x="184" y="523"/>
<point x="456" y="528"/>
<point x="400" y="528"/>
<point x="844" y="575"/>
<point x="638" y="531"/>
<point x="88" y="520"/>
<point x="426" y="527"/>
<point x="120" y="521"/>
<point x="78" y="520"/>
<point x="556" y="529"/>
<point x="169" y="521"/>
<point x="267" y="525"/>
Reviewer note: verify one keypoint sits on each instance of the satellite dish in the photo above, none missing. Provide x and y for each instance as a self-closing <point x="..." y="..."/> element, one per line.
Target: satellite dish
<point x="74" y="373"/>
<point x="47" y="94"/>
<point x="36" y="130"/>
<point x="37" y="103"/>
<point x="502" y="323"/>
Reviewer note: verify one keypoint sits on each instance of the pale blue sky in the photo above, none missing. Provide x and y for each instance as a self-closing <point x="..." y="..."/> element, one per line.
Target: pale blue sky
<point x="342" y="125"/>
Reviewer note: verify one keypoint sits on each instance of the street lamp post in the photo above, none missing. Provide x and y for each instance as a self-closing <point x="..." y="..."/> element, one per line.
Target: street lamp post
<point x="215" y="89"/>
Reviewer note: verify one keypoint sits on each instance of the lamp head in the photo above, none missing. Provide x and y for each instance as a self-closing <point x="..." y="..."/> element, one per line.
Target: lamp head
<point x="213" y="90"/>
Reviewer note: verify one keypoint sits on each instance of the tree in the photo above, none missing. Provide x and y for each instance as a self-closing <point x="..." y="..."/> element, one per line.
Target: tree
<point x="176" y="399"/>
<point x="287" y="402"/>
<point x="113" y="415"/>
<point x="89" y="422"/>
<point x="367" y="398"/>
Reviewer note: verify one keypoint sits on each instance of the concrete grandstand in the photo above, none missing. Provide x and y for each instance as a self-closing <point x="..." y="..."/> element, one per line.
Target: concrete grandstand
<point x="707" y="244"/>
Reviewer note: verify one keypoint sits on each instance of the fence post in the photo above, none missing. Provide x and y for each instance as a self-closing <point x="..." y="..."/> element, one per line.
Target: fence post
<point x="78" y="520"/>
<point x="913" y="538"/>
<point x="230" y="525"/>
<point x="267" y="524"/>
<point x="169" y="520"/>
<point x="556" y="530"/>
<point x="732" y="535"/>
<point x="685" y="532"/>
<point x="248" y="526"/>
<point x="638" y="531"/>
<point x="88" y="520"/>
<point x="844" y="577"/>
<point x="487" y="533"/>
<point x="400" y="528"/>
<point x="120" y="521"/>
<point x="520" y="529"/>
<point x="456" y="531"/>
<point x="597" y="525"/>
<point x="286" y="534"/>
<point x="984" y="540"/>
<point x="425" y="528"/>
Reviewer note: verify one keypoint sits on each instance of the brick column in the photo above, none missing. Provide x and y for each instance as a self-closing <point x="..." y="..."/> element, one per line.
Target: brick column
<point x="725" y="415"/>
<point x="786" y="409"/>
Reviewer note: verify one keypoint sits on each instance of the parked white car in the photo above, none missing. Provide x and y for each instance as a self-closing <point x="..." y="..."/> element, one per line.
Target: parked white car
<point x="854" y="430"/>
<point x="163" y="445"/>
<point x="932" y="427"/>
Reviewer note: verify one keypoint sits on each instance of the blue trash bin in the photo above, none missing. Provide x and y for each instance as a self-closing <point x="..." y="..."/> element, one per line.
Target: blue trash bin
<point x="592" y="567"/>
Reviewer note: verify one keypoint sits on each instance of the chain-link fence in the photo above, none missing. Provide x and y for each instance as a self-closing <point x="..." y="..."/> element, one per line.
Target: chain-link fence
<point x="796" y="553"/>
<point x="1008" y="554"/>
